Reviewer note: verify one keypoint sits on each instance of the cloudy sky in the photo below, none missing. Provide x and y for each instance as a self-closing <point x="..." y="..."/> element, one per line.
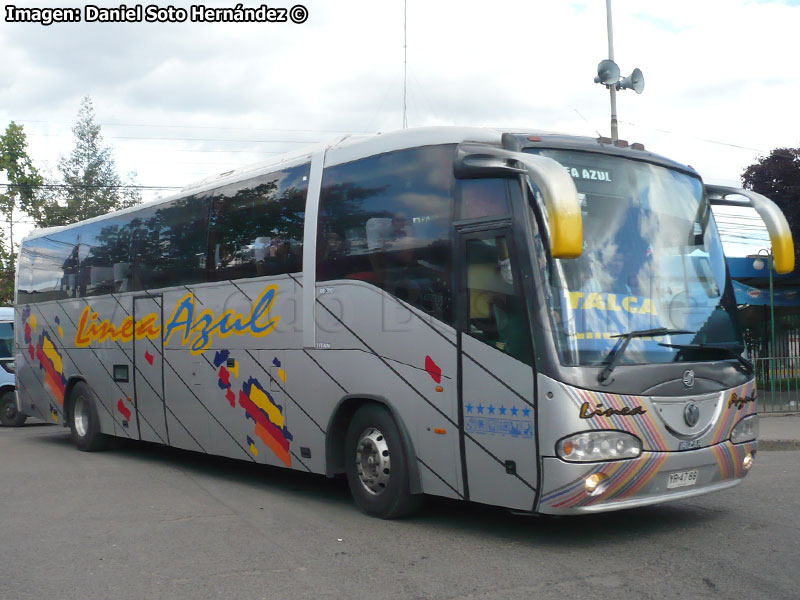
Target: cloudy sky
<point x="180" y="101"/>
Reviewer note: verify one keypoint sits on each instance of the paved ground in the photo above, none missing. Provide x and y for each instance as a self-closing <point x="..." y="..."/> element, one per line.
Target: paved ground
<point x="779" y="432"/>
<point x="142" y="521"/>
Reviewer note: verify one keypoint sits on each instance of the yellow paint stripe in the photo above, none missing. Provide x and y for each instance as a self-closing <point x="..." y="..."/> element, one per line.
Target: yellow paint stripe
<point x="261" y="400"/>
<point x="50" y="352"/>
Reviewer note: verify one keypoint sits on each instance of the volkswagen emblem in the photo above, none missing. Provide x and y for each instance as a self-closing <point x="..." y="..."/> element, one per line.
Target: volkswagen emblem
<point x="688" y="378"/>
<point x="691" y="414"/>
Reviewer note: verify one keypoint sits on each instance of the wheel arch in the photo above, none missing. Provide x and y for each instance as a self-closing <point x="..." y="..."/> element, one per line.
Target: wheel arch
<point x="337" y="429"/>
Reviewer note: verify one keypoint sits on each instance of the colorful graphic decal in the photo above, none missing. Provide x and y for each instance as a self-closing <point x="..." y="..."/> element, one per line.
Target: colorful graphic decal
<point x="50" y="362"/>
<point x="124" y="411"/>
<point x="259" y="406"/>
<point x="729" y="458"/>
<point x="30" y="327"/>
<point x="224" y="381"/>
<point x="739" y="403"/>
<point x="54" y="413"/>
<point x="281" y="372"/>
<point x="624" y="479"/>
<point x="434" y="370"/>
<point x="498" y="420"/>
<point x="148" y="357"/>
<point x="268" y="416"/>
<point x="49" y="358"/>
<point x="197" y="331"/>
<point x="615" y="411"/>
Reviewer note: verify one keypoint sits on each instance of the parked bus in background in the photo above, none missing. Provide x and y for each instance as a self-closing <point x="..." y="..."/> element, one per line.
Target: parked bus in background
<point x="9" y="415"/>
<point x="538" y="322"/>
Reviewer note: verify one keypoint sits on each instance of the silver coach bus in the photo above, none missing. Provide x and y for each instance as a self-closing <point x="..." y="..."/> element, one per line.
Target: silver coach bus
<point x="538" y="322"/>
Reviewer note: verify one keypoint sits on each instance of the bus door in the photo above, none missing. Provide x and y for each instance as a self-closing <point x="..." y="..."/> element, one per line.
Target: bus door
<point x="496" y="379"/>
<point x="148" y="368"/>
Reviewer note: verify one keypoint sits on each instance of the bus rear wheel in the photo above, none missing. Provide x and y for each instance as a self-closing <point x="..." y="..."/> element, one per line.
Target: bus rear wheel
<point x="84" y="423"/>
<point x="377" y="465"/>
<point x="9" y="415"/>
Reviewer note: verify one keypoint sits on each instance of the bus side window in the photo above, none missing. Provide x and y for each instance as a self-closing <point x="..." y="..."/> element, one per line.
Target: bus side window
<point x="495" y="313"/>
<point x="258" y="230"/>
<point x="386" y="220"/>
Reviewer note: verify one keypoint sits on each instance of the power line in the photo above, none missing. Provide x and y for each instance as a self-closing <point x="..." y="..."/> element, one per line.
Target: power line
<point x="57" y="186"/>
<point x="224" y="127"/>
<point x="182" y="139"/>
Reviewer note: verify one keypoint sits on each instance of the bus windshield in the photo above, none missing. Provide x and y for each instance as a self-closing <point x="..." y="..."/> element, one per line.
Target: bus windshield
<point x="652" y="258"/>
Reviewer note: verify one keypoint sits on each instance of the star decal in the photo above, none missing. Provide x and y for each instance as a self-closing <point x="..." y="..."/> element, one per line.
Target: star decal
<point x="526" y="411"/>
<point x="491" y="409"/>
<point x="469" y="408"/>
<point x="514" y="410"/>
<point x="502" y="409"/>
<point x="480" y="408"/>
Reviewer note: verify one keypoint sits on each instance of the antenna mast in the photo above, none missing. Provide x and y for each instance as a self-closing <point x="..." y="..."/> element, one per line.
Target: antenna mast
<point x="405" y="61"/>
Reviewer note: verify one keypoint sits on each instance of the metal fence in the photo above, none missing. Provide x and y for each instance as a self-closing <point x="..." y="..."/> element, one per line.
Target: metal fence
<point x="777" y="371"/>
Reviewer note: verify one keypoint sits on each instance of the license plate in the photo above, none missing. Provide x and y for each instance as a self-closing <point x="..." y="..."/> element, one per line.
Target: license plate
<point x="682" y="478"/>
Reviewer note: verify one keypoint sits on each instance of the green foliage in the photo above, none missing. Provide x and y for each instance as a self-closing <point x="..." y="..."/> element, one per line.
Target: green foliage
<point x="6" y="273"/>
<point x="21" y="191"/>
<point x="91" y="185"/>
<point x="777" y="176"/>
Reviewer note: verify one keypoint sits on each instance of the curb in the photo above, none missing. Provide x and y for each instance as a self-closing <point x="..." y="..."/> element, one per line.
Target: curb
<point x="769" y="445"/>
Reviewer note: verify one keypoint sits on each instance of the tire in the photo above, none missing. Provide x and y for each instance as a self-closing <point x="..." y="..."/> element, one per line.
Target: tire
<point x="9" y="415"/>
<point x="84" y="423"/>
<point x="377" y="465"/>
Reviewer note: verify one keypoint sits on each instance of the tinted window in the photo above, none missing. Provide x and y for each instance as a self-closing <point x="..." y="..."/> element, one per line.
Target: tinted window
<point x="49" y="268"/>
<point x="6" y="340"/>
<point x="257" y="226"/>
<point x="104" y="256"/>
<point x="386" y="220"/>
<point x="496" y="313"/>
<point x="168" y="245"/>
<point x="483" y="198"/>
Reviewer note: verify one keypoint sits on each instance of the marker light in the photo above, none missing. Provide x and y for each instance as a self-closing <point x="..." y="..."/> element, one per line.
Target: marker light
<point x="745" y="430"/>
<point x="747" y="462"/>
<point x="593" y="483"/>
<point x="592" y="446"/>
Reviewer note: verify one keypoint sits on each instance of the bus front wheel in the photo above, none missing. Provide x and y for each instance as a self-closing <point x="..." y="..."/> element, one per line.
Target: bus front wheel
<point x="9" y="415"/>
<point x="377" y="465"/>
<point x="84" y="423"/>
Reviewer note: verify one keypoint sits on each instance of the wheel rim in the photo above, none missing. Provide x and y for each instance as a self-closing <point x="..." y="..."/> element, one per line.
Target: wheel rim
<point x="9" y="410"/>
<point x="81" y="416"/>
<point x="373" y="461"/>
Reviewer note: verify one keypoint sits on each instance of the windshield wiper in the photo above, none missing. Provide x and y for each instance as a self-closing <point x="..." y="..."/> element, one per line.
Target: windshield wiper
<point x="732" y="349"/>
<point x="619" y="349"/>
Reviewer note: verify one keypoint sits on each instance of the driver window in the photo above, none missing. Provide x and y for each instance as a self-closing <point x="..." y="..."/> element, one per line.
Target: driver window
<point x="496" y="314"/>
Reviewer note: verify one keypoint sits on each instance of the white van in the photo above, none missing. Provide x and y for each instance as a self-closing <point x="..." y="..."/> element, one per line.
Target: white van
<point x="9" y="414"/>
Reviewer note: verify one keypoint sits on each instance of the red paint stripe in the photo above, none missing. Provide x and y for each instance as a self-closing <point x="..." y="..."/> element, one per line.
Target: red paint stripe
<point x="262" y="420"/>
<point x="124" y="410"/>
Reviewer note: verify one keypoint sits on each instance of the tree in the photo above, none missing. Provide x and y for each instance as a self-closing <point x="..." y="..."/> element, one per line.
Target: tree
<point x="22" y="188"/>
<point x="6" y="273"/>
<point x="777" y="176"/>
<point x="91" y="185"/>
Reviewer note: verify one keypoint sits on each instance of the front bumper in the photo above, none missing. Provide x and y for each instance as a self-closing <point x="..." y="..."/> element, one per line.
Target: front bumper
<point x="640" y="481"/>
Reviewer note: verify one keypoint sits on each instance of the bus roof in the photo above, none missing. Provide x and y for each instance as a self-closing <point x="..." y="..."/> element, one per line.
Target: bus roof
<point x="352" y="147"/>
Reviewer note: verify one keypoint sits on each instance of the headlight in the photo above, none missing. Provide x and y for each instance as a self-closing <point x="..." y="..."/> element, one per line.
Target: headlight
<point x="745" y="430"/>
<point x="592" y="446"/>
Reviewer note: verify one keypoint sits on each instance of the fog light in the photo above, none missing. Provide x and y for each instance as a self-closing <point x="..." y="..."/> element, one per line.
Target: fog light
<point x="747" y="462"/>
<point x="594" y="483"/>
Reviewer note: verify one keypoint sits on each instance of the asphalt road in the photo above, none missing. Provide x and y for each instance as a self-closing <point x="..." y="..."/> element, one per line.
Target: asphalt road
<point x="140" y="521"/>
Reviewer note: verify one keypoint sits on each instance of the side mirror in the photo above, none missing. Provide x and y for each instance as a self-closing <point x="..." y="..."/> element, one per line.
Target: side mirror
<point x="780" y="236"/>
<point x="560" y="196"/>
